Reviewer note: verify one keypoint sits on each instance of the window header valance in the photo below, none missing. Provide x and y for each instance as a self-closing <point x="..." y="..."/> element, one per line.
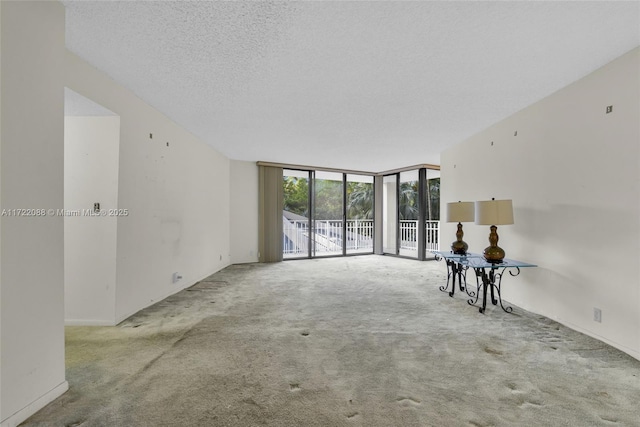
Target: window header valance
<point x="316" y="168"/>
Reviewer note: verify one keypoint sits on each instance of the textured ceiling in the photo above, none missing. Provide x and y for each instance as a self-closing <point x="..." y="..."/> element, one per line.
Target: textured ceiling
<point x="359" y="85"/>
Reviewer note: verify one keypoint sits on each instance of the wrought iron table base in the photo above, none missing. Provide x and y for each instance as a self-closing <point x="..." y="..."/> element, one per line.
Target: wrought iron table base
<point x="455" y="268"/>
<point x="492" y="280"/>
<point x="488" y="276"/>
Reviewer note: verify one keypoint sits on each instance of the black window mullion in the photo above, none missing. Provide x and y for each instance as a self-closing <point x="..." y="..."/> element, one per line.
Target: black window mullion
<point x="312" y="221"/>
<point x="398" y="236"/>
<point x="422" y="185"/>
<point x="344" y="214"/>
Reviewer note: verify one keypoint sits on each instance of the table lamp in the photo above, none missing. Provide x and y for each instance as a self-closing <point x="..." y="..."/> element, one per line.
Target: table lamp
<point x="460" y="212"/>
<point x="494" y="212"/>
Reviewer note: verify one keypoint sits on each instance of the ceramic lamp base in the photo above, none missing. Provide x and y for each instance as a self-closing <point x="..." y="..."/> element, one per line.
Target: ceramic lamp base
<point x="459" y="247"/>
<point x="494" y="254"/>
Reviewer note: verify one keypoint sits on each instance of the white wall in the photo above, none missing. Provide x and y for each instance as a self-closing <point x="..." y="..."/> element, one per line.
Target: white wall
<point x="2" y="417"/>
<point x="175" y="188"/>
<point x="572" y="172"/>
<point x="91" y="147"/>
<point x="31" y="249"/>
<point x="244" y="212"/>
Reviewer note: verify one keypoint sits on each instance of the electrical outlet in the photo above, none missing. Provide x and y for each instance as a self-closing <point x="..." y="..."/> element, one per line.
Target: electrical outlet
<point x="597" y="315"/>
<point x="609" y="109"/>
<point x="176" y="277"/>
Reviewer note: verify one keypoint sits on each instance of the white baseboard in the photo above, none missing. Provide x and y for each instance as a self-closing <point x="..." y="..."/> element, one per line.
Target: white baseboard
<point x="181" y="286"/>
<point x="83" y="322"/>
<point x="630" y="351"/>
<point x="35" y="406"/>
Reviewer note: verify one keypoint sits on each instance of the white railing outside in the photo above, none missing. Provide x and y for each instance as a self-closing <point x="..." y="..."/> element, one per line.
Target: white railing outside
<point x="432" y="232"/>
<point x="359" y="234"/>
<point x="327" y="238"/>
<point x="296" y="238"/>
<point x="409" y="235"/>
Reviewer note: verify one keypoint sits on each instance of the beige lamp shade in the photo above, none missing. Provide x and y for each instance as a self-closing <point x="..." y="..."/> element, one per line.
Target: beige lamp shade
<point x="494" y="212"/>
<point x="460" y="212"/>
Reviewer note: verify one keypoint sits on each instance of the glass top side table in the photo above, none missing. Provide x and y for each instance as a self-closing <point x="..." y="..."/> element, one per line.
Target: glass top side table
<point x="456" y="269"/>
<point x="488" y="276"/>
<point x="491" y="276"/>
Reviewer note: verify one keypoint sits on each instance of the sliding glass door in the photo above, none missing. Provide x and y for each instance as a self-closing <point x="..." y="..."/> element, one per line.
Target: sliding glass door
<point x="359" y="214"/>
<point x="295" y="214"/>
<point x="326" y="214"/>
<point x="411" y="213"/>
<point x="390" y="214"/>
<point x="408" y="209"/>
<point x="432" y="214"/>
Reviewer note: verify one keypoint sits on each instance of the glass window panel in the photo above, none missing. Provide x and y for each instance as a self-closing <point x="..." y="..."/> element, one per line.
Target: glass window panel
<point x="432" y="215"/>
<point x="409" y="209"/>
<point x="389" y="214"/>
<point x="295" y="214"/>
<point x="360" y="208"/>
<point x="327" y="214"/>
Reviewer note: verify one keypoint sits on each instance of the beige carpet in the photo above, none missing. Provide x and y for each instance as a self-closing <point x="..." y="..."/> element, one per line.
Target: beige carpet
<point x="363" y="341"/>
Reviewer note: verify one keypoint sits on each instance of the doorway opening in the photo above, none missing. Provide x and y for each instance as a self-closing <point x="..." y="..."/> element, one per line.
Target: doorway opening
<point x="91" y="159"/>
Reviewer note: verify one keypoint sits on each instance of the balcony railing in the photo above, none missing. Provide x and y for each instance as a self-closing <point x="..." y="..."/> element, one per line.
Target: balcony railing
<point x="409" y="235"/>
<point x="327" y="237"/>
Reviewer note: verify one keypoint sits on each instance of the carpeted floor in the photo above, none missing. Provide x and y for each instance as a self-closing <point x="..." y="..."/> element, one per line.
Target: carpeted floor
<point x="364" y="341"/>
